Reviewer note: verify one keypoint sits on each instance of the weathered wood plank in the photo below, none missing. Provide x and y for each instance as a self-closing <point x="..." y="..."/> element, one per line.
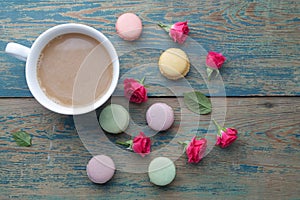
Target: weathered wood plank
<point x="262" y="164"/>
<point x="260" y="39"/>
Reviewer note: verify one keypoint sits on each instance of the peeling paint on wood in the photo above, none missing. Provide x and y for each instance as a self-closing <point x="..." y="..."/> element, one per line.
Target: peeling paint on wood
<point x="261" y="42"/>
<point x="263" y="162"/>
<point x="259" y="38"/>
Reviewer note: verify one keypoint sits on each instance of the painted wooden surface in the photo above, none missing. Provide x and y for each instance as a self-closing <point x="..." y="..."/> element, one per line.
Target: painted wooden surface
<point x="261" y="42"/>
<point x="264" y="163"/>
<point x="260" y="38"/>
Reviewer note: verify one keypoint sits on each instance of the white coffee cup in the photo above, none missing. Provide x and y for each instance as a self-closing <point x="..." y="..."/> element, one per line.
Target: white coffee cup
<point x="31" y="56"/>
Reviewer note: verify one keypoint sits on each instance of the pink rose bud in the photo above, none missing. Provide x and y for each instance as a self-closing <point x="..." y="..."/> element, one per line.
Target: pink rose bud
<point x="178" y="31"/>
<point x="135" y="91"/>
<point x="195" y="149"/>
<point x="215" y="60"/>
<point x="226" y="136"/>
<point x="140" y="144"/>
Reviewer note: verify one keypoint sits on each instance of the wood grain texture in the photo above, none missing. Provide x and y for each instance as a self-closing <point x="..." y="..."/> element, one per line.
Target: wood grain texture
<point x="259" y="38"/>
<point x="262" y="164"/>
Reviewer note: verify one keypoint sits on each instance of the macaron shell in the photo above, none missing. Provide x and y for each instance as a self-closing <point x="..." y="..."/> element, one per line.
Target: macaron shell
<point x="129" y="26"/>
<point x="174" y="63"/>
<point x="114" y="118"/>
<point x="160" y="116"/>
<point x="170" y="117"/>
<point x="100" y="169"/>
<point x="161" y="171"/>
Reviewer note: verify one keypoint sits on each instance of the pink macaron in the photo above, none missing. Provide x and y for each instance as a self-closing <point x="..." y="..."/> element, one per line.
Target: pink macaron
<point x="160" y="116"/>
<point x="129" y="26"/>
<point x="100" y="169"/>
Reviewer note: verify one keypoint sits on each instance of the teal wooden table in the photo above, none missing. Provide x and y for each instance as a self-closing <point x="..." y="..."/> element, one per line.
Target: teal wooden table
<point x="261" y="79"/>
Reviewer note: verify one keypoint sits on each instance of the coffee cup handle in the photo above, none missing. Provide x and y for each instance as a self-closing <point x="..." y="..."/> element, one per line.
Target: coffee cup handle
<point x="17" y="50"/>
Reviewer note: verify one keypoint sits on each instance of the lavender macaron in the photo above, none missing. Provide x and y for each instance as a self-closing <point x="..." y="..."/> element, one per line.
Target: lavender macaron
<point x="160" y="116"/>
<point x="100" y="169"/>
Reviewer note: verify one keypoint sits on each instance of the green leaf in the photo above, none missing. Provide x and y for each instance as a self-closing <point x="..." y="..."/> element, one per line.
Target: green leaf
<point x="165" y="27"/>
<point x="219" y="128"/>
<point x="127" y="143"/>
<point x="142" y="80"/>
<point x="211" y="71"/>
<point x="185" y="144"/>
<point x="197" y="102"/>
<point x="22" y="138"/>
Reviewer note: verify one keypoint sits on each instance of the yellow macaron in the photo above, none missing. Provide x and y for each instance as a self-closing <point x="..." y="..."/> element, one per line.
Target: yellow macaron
<point x="174" y="63"/>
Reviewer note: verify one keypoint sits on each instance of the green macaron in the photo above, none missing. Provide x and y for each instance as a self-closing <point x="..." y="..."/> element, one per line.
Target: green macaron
<point x="114" y="118"/>
<point x="161" y="171"/>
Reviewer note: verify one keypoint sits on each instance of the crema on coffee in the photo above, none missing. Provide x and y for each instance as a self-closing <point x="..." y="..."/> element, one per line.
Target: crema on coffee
<point x="74" y="70"/>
